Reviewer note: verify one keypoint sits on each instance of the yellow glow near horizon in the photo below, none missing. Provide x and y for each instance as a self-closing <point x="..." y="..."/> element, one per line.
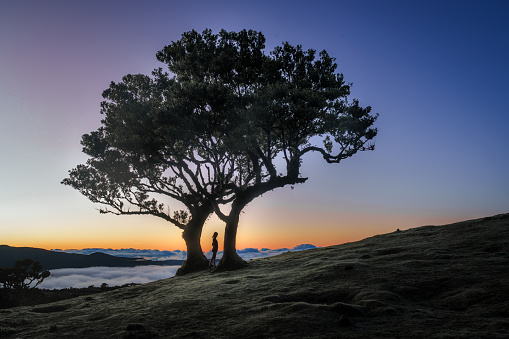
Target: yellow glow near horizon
<point x="150" y="233"/>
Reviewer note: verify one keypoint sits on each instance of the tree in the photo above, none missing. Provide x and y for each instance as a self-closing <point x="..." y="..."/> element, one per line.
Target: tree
<point x="279" y="107"/>
<point x="218" y="77"/>
<point x="16" y="282"/>
<point x="141" y="155"/>
<point x="216" y="133"/>
<point x="300" y="107"/>
<point x="170" y="138"/>
<point x="22" y="275"/>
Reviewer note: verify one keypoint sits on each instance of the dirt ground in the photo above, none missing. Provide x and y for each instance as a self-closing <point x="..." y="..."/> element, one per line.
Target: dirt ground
<point x="447" y="281"/>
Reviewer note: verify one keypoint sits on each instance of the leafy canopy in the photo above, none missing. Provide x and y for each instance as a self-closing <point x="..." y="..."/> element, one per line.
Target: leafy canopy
<point x="229" y="124"/>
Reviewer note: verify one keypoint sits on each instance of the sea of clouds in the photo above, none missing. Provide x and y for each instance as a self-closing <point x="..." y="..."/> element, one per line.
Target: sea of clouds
<point x="117" y="276"/>
<point x="113" y="276"/>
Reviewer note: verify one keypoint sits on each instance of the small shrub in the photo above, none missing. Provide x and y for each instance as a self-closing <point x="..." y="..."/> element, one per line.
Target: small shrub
<point x="22" y="275"/>
<point x="16" y="280"/>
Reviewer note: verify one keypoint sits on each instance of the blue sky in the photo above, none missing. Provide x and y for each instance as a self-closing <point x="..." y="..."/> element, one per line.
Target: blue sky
<point x="435" y="71"/>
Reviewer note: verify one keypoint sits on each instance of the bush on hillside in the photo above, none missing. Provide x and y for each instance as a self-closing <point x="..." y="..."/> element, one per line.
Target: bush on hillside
<point x="17" y="280"/>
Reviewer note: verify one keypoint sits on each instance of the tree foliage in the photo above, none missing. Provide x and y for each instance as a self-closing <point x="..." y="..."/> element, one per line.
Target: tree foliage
<point x="165" y="139"/>
<point x="22" y="275"/>
<point x="229" y="124"/>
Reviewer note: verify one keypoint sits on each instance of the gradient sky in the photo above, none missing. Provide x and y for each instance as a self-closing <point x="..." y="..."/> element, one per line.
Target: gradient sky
<point x="435" y="71"/>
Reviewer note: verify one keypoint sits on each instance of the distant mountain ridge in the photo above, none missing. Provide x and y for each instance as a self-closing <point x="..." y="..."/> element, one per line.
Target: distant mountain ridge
<point x="54" y="260"/>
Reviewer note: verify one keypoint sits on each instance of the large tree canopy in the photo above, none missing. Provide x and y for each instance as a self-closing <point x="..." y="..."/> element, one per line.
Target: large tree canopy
<point x="300" y="106"/>
<point x="173" y="138"/>
<point x="230" y="124"/>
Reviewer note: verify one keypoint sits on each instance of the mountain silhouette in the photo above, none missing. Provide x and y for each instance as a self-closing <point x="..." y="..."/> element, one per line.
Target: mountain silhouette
<point x="53" y="260"/>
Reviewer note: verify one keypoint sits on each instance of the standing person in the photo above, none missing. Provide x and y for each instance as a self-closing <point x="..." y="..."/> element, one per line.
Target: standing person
<point x="214" y="249"/>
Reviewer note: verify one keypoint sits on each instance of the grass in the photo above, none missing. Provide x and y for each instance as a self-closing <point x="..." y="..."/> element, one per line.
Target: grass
<point x="429" y="282"/>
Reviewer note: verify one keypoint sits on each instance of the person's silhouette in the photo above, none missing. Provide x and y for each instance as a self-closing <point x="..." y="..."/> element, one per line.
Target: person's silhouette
<point x="214" y="250"/>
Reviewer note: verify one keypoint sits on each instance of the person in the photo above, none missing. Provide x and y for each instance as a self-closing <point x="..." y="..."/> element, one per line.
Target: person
<point x="214" y="249"/>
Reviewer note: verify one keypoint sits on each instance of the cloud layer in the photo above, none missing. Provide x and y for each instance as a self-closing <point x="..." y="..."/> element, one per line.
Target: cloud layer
<point x="117" y="276"/>
<point x="113" y="276"/>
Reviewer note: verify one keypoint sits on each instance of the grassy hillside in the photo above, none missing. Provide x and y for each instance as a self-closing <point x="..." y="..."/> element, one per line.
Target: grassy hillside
<point x="434" y="281"/>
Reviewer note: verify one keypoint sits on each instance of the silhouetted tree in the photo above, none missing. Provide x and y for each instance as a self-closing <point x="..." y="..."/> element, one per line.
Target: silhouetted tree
<point x="217" y="132"/>
<point x="22" y="275"/>
<point x="170" y="138"/>
<point x="14" y="281"/>
<point x="276" y="107"/>
<point x="145" y="153"/>
<point x="300" y="107"/>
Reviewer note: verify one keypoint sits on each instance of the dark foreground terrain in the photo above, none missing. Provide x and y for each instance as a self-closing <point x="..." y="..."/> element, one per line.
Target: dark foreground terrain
<point x="429" y="282"/>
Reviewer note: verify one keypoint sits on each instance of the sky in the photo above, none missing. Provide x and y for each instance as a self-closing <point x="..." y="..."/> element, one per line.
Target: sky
<point x="435" y="71"/>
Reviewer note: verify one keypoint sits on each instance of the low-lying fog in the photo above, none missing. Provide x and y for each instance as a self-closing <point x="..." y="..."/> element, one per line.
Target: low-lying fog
<point x="113" y="276"/>
<point x="117" y="276"/>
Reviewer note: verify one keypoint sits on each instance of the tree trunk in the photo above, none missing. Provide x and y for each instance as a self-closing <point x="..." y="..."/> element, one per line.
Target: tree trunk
<point x="195" y="260"/>
<point x="231" y="260"/>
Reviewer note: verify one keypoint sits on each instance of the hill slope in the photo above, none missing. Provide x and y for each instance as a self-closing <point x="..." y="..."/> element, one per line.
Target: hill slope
<point x="433" y="281"/>
<point x="52" y="260"/>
